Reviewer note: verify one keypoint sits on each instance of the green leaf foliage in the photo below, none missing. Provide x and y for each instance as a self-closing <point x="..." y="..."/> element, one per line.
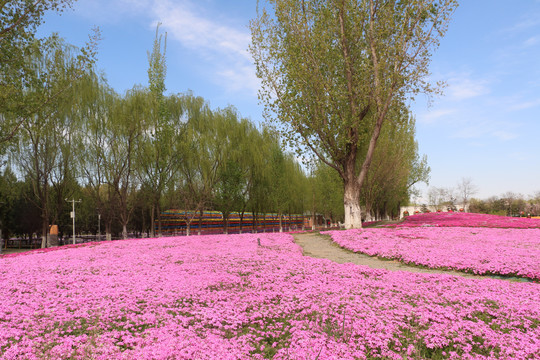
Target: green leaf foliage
<point x="21" y="74"/>
<point x="331" y="70"/>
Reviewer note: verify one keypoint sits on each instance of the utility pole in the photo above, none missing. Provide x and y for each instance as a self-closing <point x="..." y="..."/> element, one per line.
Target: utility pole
<point x="73" y="201"/>
<point x="313" y="216"/>
<point x="1" y="238"/>
<point x="1" y="235"/>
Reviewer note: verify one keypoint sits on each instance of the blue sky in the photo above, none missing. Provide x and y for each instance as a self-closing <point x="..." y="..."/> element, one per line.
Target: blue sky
<point x="486" y="127"/>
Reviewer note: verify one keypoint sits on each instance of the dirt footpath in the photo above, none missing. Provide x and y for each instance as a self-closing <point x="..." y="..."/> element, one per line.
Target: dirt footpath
<point x="320" y="246"/>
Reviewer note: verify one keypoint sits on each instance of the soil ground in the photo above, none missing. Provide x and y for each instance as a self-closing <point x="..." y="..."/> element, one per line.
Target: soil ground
<point x="321" y="246"/>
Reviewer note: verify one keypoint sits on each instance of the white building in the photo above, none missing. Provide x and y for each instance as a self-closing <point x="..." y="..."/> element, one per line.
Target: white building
<point x="413" y="209"/>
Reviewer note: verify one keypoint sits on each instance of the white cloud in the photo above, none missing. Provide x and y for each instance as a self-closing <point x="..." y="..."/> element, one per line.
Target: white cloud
<point x="239" y="78"/>
<point x="482" y="129"/>
<point x="503" y="135"/>
<point x="520" y="156"/>
<point x="463" y="87"/>
<point x="524" y="24"/>
<point x="476" y="144"/>
<point x="223" y="47"/>
<point x="525" y="105"/>
<point x="531" y="41"/>
<point x="218" y="43"/>
<point x="430" y="117"/>
<point x="197" y="32"/>
<point x="111" y="12"/>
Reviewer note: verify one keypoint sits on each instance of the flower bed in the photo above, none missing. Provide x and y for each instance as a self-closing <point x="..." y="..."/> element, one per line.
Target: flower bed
<point x="453" y="219"/>
<point x="508" y="252"/>
<point x="225" y="297"/>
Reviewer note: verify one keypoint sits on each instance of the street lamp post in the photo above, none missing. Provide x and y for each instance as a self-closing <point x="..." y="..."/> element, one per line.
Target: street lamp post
<point x="73" y="201"/>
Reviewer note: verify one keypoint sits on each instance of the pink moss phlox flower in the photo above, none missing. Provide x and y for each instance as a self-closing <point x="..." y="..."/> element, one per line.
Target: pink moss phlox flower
<point x="508" y="252"/>
<point x="227" y="297"/>
<point x="453" y="219"/>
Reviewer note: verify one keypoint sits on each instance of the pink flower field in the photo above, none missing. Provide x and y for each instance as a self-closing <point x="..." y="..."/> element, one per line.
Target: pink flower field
<point x="453" y="219"/>
<point x="508" y="252"/>
<point x="225" y="297"/>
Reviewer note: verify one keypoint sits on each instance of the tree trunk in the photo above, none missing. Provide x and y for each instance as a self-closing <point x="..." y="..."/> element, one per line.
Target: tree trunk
<point x="44" y="231"/>
<point x="241" y="220"/>
<point x="313" y="213"/>
<point x="190" y="216"/>
<point x="108" y="226"/>
<point x="280" y="223"/>
<point x="351" y="201"/>
<point x="152" y="220"/>
<point x="124" y="231"/>
<point x="1" y="238"/>
<point x="144" y="229"/>
<point x="254" y="223"/>
<point x="160" y="232"/>
<point x="200" y="223"/>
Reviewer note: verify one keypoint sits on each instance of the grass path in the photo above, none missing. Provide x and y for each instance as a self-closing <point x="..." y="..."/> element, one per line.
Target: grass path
<point x="321" y="246"/>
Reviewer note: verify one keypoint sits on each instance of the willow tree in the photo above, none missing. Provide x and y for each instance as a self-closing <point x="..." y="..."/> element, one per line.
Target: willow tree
<point x="19" y="22"/>
<point x="327" y="192"/>
<point x="204" y="148"/>
<point x="236" y="173"/>
<point x="126" y="123"/>
<point x="249" y="155"/>
<point x="332" y="69"/>
<point x="96" y="103"/>
<point x="44" y="149"/>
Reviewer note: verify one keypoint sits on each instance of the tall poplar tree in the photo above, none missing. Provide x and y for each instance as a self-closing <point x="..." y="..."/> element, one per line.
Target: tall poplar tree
<point x="332" y="69"/>
<point x="159" y="157"/>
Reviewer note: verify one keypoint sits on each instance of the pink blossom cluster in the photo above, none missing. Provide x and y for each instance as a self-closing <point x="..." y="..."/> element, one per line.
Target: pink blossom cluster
<point x="453" y="219"/>
<point x="508" y="252"/>
<point x="227" y="297"/>
<point x="46" y="250"/>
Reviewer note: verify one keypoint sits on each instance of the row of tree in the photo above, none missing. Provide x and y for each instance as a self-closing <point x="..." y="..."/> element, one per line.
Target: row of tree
<point x="224" y="164"/>
<point x="69" y="136"/>
<point x="126" y="168"/>
<point x="450" y="197"/>
<point x="128" y="157"/>
<point x="127" y="165"/>
<point x="510" y="204"/>
<point x="462" y="195"/>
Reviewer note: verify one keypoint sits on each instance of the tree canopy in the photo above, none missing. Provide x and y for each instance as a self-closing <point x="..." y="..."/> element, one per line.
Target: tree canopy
<point x="130" y="156"/>
<point x="19" y="49"/>
<point x="332" y="70"/>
